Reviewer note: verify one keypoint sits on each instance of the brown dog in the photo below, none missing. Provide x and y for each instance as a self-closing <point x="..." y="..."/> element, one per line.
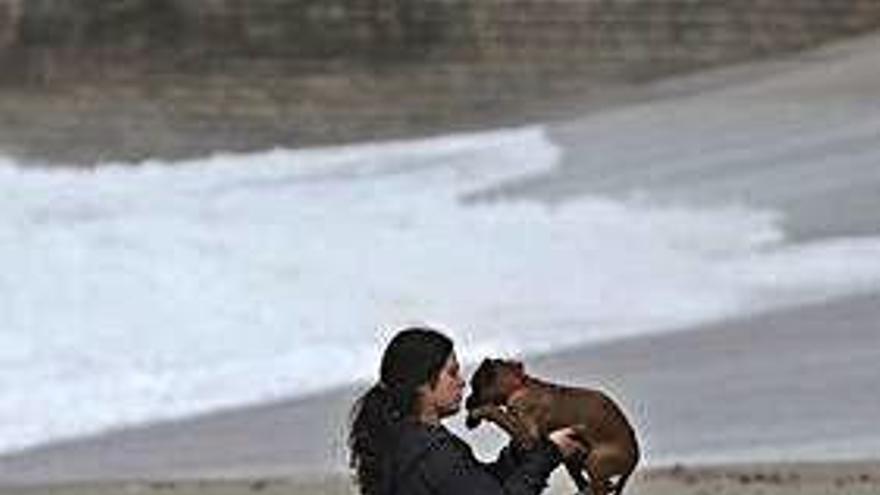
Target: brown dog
<point x="528" y="409"/>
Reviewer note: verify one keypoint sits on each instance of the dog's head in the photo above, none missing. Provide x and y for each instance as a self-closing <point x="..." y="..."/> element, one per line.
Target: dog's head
<point x="493" y="382"/>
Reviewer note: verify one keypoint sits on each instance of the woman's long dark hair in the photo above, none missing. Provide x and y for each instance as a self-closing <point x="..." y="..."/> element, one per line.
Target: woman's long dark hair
<point x="414" y="357"/>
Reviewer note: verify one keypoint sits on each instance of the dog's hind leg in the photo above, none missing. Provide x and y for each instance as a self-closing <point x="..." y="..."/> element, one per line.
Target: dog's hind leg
<point x="574" y="466"/>
<point x="621" y="482"/>
<point x="605" y="462"/>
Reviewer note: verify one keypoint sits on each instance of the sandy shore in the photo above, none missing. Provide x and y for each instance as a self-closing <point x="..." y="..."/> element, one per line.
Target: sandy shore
<point x="768" y="479"/>
<point x="780" y="386"/>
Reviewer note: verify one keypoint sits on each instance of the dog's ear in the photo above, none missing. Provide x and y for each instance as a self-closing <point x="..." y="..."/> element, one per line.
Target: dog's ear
<point x="481" y="370"/>
<point x="518" y="367"/>
<point x="485" y="365"/>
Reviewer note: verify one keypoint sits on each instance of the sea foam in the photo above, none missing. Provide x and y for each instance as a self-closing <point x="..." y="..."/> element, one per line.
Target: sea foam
<point x="136" y="293"/>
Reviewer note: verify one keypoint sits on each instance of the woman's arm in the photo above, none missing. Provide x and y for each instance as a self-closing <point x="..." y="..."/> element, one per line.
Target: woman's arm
<point x="451" y="468"/>
<point x="566" y="440"/>
<point x="509" y="459"/>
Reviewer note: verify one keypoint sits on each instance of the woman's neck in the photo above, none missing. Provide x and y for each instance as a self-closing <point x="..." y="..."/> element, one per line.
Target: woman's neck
<point x="429" y="416"/>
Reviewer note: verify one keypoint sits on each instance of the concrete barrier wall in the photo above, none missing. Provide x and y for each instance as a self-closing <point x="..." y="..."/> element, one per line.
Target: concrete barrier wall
<point x="10" y="19"/>
<point x="87" y="81"/>
<point x="650" y="36"/>
<point x="631" y="38"/>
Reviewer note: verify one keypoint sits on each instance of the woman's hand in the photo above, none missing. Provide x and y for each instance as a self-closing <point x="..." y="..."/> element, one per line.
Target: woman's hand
<point x="567" y="442"/>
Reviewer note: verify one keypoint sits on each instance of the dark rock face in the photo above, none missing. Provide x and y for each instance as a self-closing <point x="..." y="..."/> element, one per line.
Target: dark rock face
<point x="671" y="32"/>
<point x="306" y="28"/>
<point x="123" y="24"/>
<point x="10" y="17"/>
<point x="86" y="81"/>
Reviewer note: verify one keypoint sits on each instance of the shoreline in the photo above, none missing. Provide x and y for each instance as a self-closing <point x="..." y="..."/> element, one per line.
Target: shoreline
<point x="785" y="478"/>
<point x="693" y="394"/>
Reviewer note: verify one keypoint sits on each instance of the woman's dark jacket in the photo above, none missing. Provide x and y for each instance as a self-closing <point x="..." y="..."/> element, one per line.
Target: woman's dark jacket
<point x="430" y="460"/>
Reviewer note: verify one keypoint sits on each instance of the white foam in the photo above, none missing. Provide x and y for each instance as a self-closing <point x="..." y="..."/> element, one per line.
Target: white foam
<point x="136" y="293"/>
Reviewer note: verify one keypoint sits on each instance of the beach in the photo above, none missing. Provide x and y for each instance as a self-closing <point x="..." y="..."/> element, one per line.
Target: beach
<point x="783" y="479"/>
<point x="777" y="401"/>
<point x="756" y="395"/>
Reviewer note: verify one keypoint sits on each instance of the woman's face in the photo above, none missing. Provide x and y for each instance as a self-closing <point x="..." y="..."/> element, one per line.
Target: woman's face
<point x="444" y="398"/>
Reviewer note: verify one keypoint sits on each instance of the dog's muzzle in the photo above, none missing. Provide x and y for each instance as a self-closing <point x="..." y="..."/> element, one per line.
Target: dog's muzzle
<point x="471" y="422"/>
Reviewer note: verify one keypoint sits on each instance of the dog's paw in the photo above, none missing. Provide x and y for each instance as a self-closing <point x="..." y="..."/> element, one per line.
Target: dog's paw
<point x="528" y="443"/>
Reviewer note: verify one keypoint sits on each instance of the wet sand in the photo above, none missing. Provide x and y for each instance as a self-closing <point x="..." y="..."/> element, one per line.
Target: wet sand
<point x="856" y="478"/>
<point x="792" y="385"/>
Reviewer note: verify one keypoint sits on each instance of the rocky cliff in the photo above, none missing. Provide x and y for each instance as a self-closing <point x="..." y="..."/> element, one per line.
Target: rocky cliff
<point x="85" y="81"/>
<point x="641" y="37"/>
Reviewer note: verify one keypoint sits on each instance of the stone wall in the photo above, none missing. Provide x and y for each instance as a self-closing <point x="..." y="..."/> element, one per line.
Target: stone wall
<point x="611" y="37"/>
<point x="10" y="18"/>
<point x="651" y="36"/>
<point x="87" y="81"/>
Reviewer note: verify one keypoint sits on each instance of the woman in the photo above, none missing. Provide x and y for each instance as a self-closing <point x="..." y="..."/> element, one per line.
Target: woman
<point x="399" y="447"/>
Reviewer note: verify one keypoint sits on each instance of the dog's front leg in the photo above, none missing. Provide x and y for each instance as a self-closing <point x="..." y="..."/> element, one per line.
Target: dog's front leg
<point x="529" y="430"/>
<point x="510" y="423"/>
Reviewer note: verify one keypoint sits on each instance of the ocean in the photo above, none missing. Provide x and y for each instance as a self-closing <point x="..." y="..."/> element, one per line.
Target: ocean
<point x="131" y="293"/>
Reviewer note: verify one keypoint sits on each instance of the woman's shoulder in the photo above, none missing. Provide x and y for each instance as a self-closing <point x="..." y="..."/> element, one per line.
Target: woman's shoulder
<point x="416" y="435"/>
<point x="417" y="440"/>
<point x="429" y="456"/>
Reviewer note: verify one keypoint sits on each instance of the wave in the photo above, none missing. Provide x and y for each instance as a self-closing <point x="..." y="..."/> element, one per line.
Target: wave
<point x="132" y="294"/>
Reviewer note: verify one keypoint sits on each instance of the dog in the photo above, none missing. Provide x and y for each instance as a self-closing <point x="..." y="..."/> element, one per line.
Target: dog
<point x="528" y="409"/>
